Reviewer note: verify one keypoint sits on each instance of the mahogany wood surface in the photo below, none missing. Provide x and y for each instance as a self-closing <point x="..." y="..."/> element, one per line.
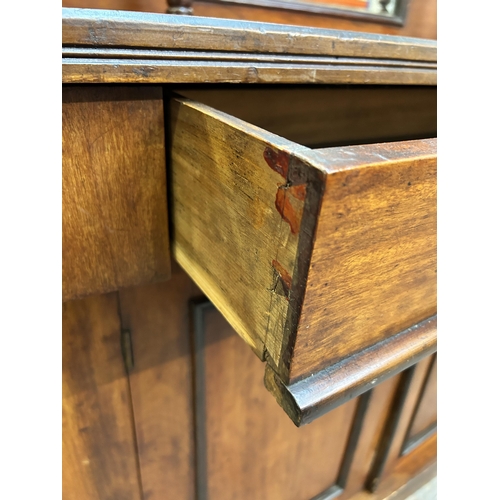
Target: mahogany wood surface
<point x="374" y="263"/>
<point x="157" y="317"/>
<point x="99" y="455"/>
<point x="115" y="223"/>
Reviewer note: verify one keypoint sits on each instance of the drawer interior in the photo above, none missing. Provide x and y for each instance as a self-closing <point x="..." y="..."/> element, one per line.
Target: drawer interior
<point x="328" y="116"/>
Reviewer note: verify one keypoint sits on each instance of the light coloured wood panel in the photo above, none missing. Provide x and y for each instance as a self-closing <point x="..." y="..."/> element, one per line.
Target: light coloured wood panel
<point x="99" y="456"/>
<point x="252" y="449"/>
<point x="157" y="317"/>
<point x="115" y="224"/>
<point x="235" y="218"/>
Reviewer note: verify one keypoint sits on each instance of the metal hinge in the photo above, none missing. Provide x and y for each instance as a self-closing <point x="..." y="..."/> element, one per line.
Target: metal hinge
<point x="127" y="351"/>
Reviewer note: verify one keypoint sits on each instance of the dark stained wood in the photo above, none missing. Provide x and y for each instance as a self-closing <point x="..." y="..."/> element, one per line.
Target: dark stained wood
<point x="115" y="220"/>
<point x="225" y="437"/>
<point x="99" y="456"/>
<point x="363" y="114"/>
<point x="311" y="397"/>
<point x="318" y="394"/>
<point x="249" y="447"/>
<point x="158" y="319"/>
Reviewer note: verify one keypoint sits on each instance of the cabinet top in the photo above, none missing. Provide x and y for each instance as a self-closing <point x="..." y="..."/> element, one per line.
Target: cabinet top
<point x="103" y="46"/>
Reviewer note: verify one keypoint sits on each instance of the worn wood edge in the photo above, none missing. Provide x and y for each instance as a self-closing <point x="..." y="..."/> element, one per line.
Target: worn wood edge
<point x="309" y="398"/>
<point x="340" y="159"/>
<point x="191" y="55"/>
<point x="94" y="70"/>
<point x="93" y="27"/>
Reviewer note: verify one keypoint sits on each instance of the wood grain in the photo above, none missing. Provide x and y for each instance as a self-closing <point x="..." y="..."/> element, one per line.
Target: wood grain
<point x="115" y="229"/>
<point x="252" y="450"/>
<point x="236" y="211"/>
<point x="161" y="385"/>
<point x="363" y="114"/>
<point x="99" y="456"/>
<point x="373" y="266"/>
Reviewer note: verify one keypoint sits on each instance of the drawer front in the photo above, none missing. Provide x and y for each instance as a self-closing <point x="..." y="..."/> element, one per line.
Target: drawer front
<point x="115" y="225"/>
<point x="323" y="260"/>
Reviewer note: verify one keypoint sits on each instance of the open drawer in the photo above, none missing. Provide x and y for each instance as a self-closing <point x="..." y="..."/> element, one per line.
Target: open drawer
<point x="318" y="248"/>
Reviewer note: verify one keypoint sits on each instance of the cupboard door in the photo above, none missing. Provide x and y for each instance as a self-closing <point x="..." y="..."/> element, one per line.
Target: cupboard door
<point x="157" y="318"/>
<point x="99" y="453"/>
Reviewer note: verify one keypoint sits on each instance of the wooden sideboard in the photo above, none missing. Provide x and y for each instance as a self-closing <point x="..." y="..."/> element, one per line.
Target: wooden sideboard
<point x="249" y="246"/>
